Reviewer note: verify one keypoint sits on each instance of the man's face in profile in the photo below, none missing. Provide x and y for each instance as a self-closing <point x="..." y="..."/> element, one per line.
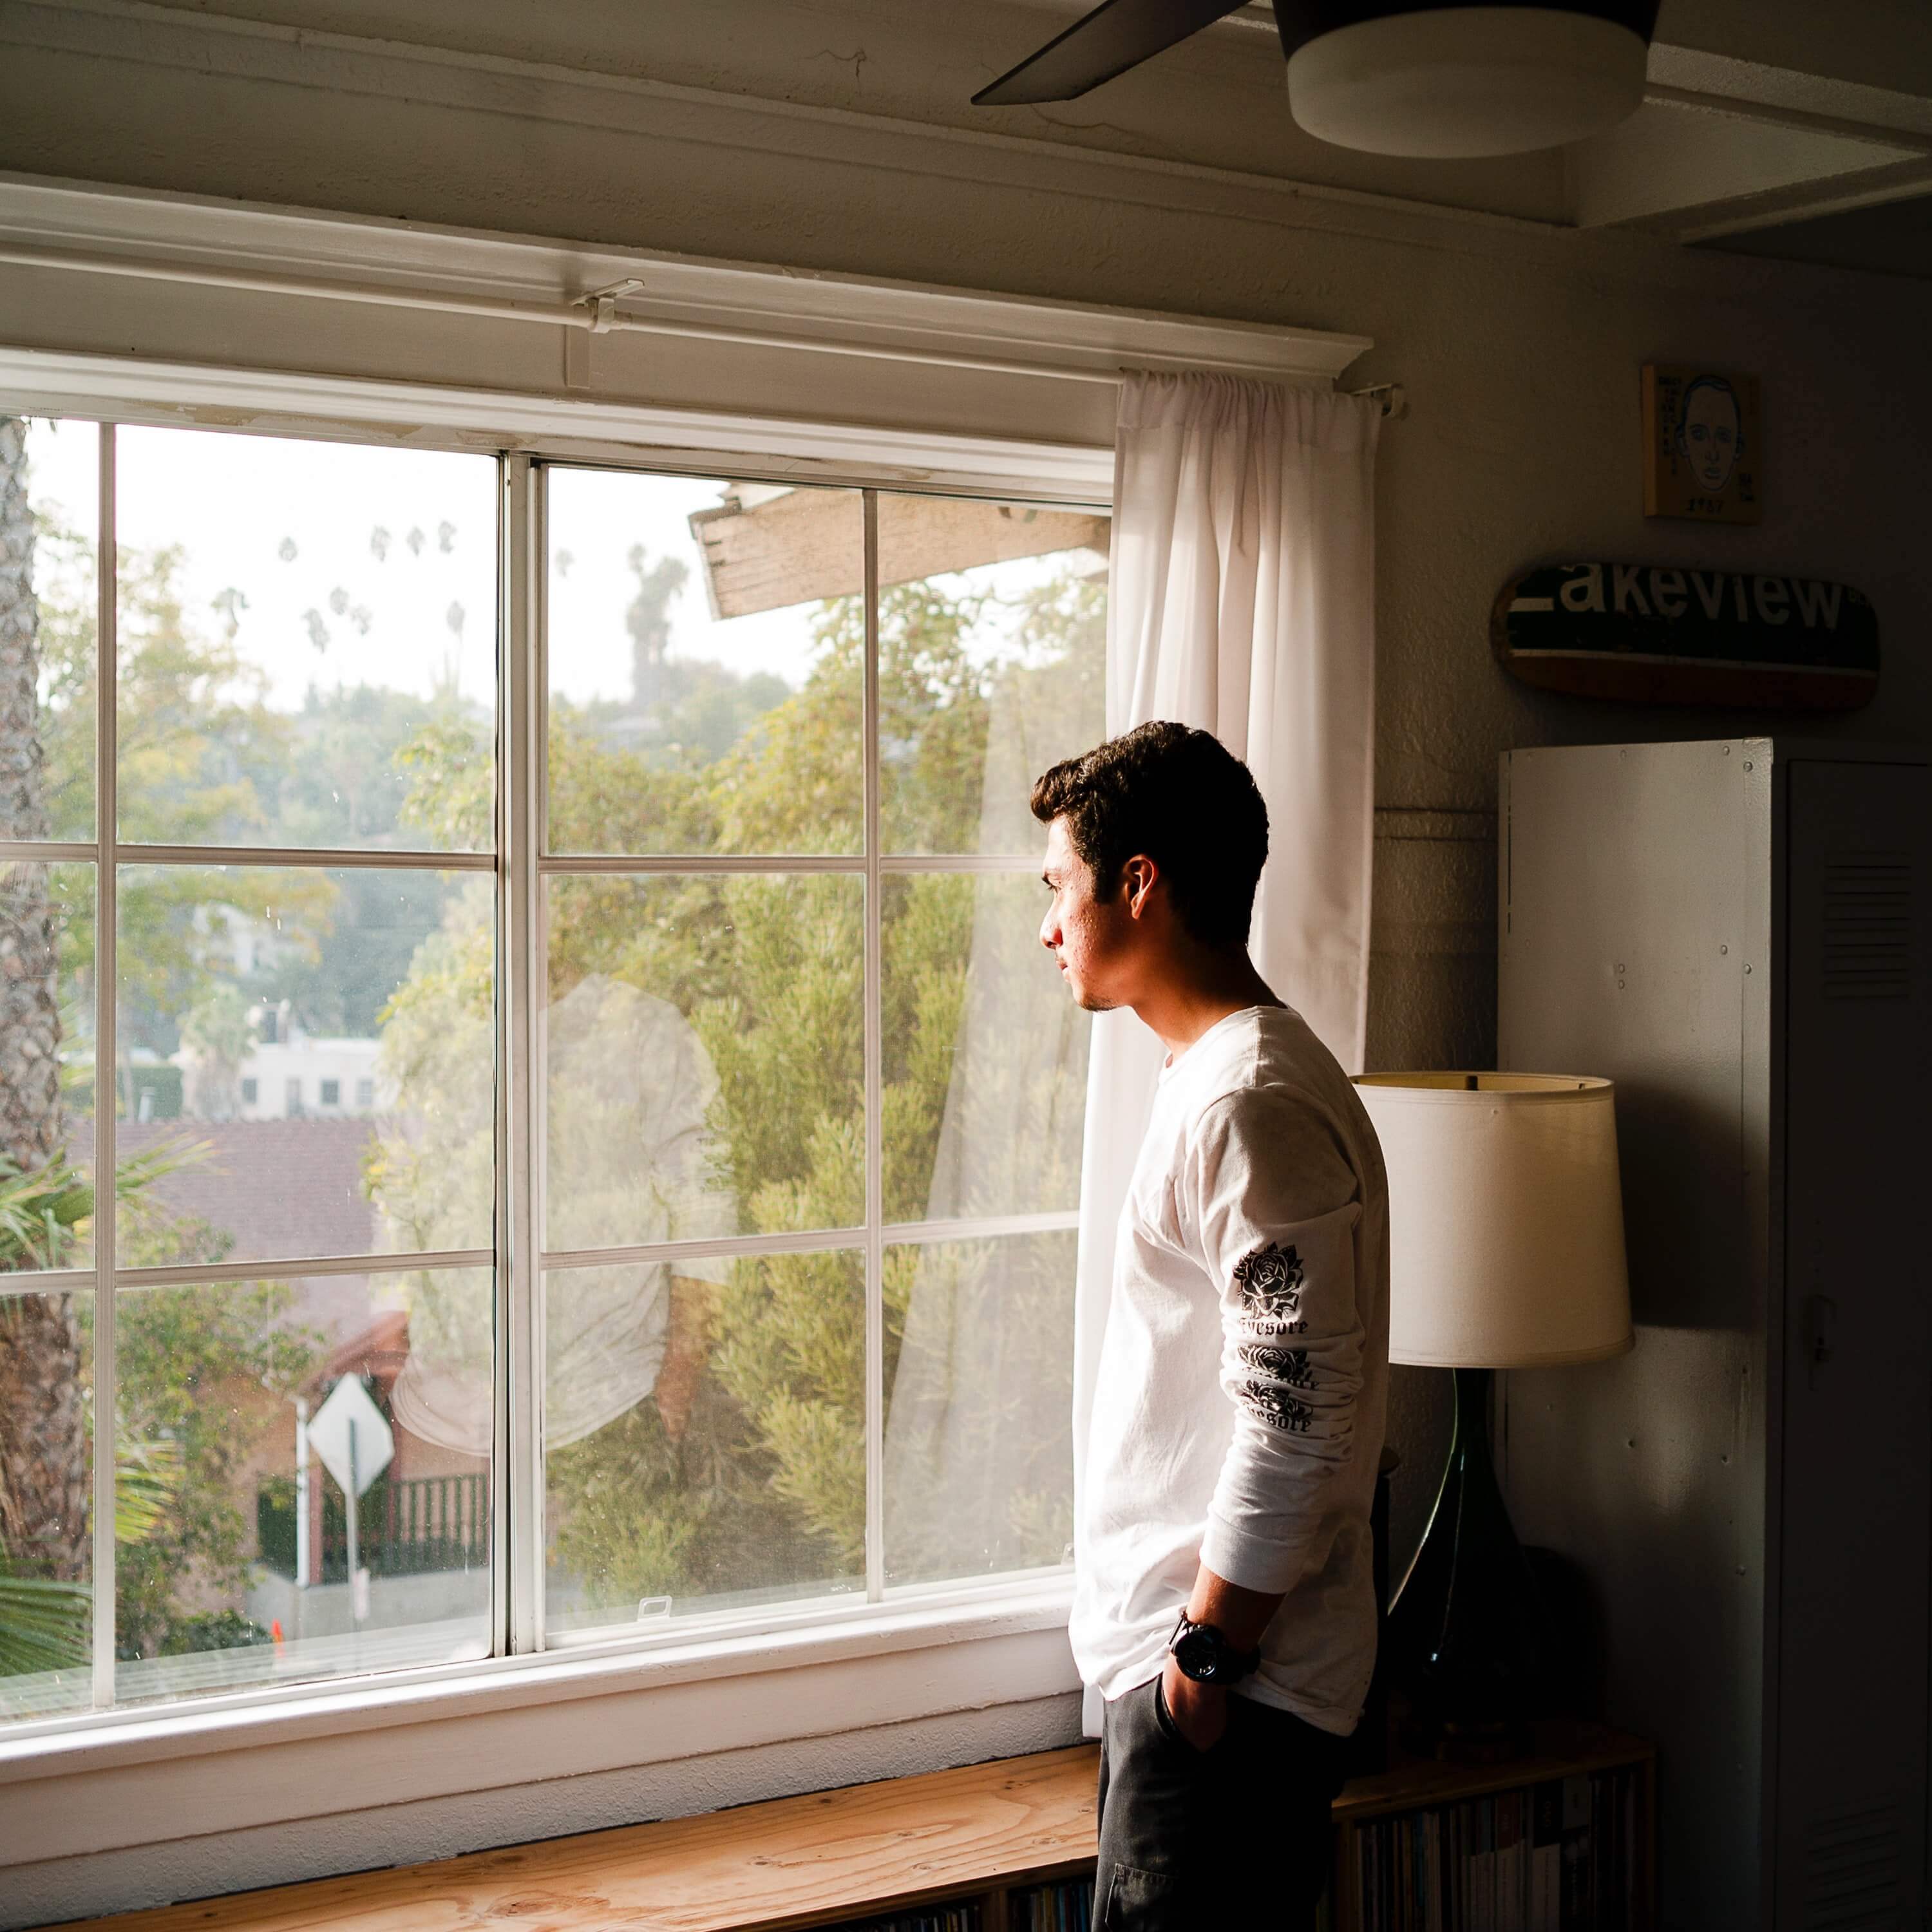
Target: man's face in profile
<point x="1084" y="935"/>
<point x="1707" y="437"/>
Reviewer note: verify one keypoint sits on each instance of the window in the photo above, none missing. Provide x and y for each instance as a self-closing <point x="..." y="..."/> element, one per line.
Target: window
<point x="803" y="1133"/>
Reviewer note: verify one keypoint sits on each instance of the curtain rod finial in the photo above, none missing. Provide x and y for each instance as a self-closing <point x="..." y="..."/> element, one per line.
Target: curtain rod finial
<point x="1394" y="397"/>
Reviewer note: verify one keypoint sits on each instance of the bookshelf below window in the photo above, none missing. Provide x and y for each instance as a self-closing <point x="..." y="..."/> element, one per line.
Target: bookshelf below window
<point x="1556" y="1842"/>
<point x="1067" y="1906"/>
<point x="1544" y="1858"/>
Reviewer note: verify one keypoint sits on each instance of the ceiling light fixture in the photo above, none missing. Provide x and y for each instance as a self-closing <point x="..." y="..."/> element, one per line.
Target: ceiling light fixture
<point x="1428" y="80"/>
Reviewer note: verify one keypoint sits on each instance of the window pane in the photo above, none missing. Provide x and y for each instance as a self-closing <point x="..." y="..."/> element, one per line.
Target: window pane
<point x="979" y="1470"/>
<point x="704" y="1045"/>
<point x="243" y="990"/>
<point x="707" y="646"/>
<point x="46" y="1379"/>
<point x="46" y="1067"/>
<point x="985" y="1055"/>
<point x="704" y="1436"/>
<point x="992" y="665"/>
<point x="50" y="520"/>
<point x="308" y="643"/>
<point x="227" y="1575"/>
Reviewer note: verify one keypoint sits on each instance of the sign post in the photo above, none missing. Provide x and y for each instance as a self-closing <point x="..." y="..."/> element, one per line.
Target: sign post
<point x="302" y="1493"/>
<point x="356" y="1445"/>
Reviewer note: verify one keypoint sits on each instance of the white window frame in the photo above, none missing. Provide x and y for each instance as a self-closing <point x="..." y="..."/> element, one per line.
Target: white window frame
<point x="959" y="1671"/>
<point x="520" y="862"/>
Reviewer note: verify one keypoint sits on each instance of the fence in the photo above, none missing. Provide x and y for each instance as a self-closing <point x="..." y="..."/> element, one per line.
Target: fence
<point x="409" y="1528"/>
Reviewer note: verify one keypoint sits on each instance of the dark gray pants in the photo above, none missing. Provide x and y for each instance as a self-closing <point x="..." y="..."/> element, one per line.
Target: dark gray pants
<point x="1236" y="1836"/>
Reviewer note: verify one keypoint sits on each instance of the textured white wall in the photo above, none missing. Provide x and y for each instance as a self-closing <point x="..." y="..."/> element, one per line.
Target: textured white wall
<point x="835" y="136"/>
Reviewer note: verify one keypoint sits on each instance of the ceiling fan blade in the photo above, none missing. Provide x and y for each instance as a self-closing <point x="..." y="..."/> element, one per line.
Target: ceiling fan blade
<point x="1117" y="35"/>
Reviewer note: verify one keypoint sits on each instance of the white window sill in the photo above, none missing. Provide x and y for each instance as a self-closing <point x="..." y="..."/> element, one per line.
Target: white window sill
<point x="146" y="1778"/>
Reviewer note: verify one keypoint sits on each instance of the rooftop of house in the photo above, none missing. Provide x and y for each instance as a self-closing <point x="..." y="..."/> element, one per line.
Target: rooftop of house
<point x="281" y="1190"/>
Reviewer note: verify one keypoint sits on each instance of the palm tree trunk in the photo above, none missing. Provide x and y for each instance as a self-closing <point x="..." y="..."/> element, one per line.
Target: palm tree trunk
<point x="43" y="1417"/>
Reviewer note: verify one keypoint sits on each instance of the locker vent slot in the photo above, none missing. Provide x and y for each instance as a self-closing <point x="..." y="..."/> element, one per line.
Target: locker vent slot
<point x="1867" y="926"/>
<point x="1852" y="1870"/>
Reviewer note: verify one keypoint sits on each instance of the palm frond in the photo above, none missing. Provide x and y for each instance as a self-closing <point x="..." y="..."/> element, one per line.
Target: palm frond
<point x="148" y="1475"/>
<point x="43" y="1625"/>
<point x="42" y="1208"/>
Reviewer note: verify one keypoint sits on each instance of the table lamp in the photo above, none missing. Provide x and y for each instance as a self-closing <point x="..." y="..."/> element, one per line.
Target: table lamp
<point x="1506" y="1251"/>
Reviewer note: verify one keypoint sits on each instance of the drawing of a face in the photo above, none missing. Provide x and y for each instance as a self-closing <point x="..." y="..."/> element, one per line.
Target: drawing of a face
<point x="1708" y="431"/>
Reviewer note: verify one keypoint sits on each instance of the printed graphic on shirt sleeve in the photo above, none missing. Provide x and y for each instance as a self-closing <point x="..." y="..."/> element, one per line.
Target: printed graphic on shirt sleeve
<point x="1270" y="1280"/>
<point x="1277" y="1408"/>
<point x="1288" y="1366"/>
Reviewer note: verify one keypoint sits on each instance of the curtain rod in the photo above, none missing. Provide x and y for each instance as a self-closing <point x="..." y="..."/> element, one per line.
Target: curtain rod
<point x="597" y="311"/>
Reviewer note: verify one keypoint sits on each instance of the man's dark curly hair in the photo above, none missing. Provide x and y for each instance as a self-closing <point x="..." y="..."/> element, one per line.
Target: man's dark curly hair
<point x="1182" y="799"/>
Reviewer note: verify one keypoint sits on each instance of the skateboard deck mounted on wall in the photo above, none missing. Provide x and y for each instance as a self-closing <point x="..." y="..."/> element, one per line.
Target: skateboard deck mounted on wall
<point x="1663" y="634"/>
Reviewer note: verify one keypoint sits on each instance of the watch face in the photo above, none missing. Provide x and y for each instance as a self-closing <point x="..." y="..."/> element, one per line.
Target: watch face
<point x="1199" y="1656"/>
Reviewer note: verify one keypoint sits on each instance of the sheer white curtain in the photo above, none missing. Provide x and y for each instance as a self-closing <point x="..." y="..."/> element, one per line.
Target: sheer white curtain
<point x="1241" y="601"/>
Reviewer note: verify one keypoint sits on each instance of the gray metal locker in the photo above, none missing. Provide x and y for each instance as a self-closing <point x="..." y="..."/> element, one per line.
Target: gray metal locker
<point x="1738" y="933"/>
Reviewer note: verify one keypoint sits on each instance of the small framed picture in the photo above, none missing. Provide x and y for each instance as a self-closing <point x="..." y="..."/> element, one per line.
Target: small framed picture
<point x="1703" y="444"/>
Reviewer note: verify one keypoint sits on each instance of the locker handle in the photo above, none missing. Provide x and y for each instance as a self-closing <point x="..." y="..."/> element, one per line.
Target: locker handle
<point x="1821" y="1312"/>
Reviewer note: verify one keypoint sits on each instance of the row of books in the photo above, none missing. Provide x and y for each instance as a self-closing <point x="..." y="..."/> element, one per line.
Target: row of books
<point x="961" y="1918"/>
<point x="1558" y="1857"/>
<point x="1067" y="1906"/>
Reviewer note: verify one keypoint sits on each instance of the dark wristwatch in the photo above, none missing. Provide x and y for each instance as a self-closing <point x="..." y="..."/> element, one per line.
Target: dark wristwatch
<point x="1205" y="1655"/>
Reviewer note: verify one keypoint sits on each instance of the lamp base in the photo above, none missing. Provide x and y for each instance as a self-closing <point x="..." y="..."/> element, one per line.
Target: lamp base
<point x="1468" y="1644"/>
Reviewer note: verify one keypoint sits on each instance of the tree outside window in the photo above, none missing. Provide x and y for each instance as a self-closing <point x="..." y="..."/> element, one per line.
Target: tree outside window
<point x="705" y="928"/>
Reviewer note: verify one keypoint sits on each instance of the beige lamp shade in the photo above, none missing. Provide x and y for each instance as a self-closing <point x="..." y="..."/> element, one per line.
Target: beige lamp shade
<point x="1506" y="1230"/>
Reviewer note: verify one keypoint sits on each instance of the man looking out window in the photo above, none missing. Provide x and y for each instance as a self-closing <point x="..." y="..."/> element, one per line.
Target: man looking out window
<point x="1224" y="1603"/>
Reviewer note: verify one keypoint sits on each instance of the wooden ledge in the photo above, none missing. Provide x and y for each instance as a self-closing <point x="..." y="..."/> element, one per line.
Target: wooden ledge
<point x="813" y="1860"/>
<point x="788" y="1862"/>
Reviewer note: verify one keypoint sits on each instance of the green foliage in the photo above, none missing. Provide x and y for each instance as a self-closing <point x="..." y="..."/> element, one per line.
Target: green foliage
<point x="216" y="1629"/>
<point x="202" y="757"/>
<point x="766" y="1485"/>
<point x="43" y="1623"/>
<point x="40" y="1209"/>
<point x="44" y="1210"/>
<point x="200" y="1369"/>
<point x="758" y="1483"/>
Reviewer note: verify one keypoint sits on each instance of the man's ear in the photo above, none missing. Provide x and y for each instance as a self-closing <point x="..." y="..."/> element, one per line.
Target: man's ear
<point x="1138" y="875"/>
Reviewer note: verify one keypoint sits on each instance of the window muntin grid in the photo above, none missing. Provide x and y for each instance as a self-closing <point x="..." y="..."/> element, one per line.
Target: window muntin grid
<point x="521" y="870"/>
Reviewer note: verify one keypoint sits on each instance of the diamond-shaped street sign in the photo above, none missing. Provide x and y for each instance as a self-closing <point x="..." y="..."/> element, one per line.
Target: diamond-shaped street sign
<point x="348" y="1434"/>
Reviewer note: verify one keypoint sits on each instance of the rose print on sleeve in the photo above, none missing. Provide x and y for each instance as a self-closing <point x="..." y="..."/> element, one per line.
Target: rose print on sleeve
<point x="1270" y="1280"/>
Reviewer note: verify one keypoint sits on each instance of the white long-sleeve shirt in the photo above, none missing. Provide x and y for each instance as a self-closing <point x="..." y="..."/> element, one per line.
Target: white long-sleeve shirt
<point x="1244" y="1375"/>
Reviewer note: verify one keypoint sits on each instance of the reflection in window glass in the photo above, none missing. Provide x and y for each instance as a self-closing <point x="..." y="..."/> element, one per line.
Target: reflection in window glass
<point x="985" y="1056"/>
<point x="707" y="644"/>
<point x="49" y="520"/>
<point x="308" y="642"/>
<point x="233" y="1513"/>
<point x="992" y="665"/>
<point x="47" y="1381"/>
<point x="978" y="1472"/>
<point x="46" y="1069"/>
<point x="704" y="1436"/>
<point x="705" y="1057"/>
<point x="243" y="991"/>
